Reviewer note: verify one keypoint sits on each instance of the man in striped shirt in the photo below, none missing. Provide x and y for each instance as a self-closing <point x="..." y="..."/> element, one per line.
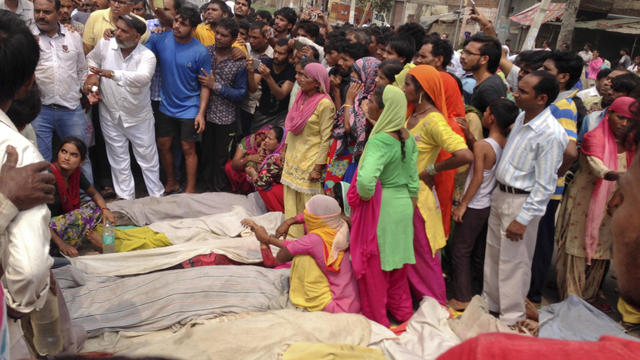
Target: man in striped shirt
<point x="527" y="174"/>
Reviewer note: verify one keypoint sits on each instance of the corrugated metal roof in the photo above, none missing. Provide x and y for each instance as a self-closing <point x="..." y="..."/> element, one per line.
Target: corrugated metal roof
<point x="525" y="17"/>
<point x="625" y="26"/>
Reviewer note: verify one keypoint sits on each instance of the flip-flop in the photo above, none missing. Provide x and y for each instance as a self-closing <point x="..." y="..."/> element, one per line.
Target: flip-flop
<point x="179" y="190"/>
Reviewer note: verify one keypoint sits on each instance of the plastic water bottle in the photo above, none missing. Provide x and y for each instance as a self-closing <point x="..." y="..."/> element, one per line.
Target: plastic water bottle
<point x="47" y="337"/>
<point x="108" y="239"/>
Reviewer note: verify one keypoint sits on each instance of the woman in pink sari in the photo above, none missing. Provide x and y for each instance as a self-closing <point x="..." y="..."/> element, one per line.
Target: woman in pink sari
<point x="584" y="228"/>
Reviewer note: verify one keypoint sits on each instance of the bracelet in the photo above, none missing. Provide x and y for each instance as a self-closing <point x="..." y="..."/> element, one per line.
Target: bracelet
<point x="104" y="208"/>
<point x="431" y="169"/>
<point x="345" y="105"/>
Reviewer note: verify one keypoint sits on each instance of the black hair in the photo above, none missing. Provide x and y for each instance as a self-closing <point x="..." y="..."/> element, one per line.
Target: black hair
<point x="19" y="54"/>
<point x="266" y="16"/>
<point x="248" y="3"/>
<point x="226" y="10"/>
<point x="532" y="58"/>
<point x="547" y="85"/>
<point x="244" y="24"/>
<point x="626" y="51"/>
<point x="505" y="112"/>
<point x="80" y="145"/>
<point x="390" y="68"/>
<point x="279" y="132"/>
<point x="362" y="35"/>
<point x="355" y="51"/>
<point x="377" y="96"/>
<point x="257" y="25"/>
<point x="178" y="4"/>
<point x="288" y="13"/>
<point x="335" y="45"/>
<point x="56" y="4"/>
<point x="567" y="63"/>
<point x="403" y="46"/>
<point x="203" y="7"/>
<point x="383" y="36"/>
<point x="284" y="42"/>
<point x="440" y="47"/>
<point x="312" y="29"/>
<point x="229" y="24"/>
<point x="625" y="83"/>
<point x="589" y="45"/>
<point x="25" y="110"/>
<point x="491" y="47"/>
<point x="603" y="73"/>
<point x="337" y="194"/>
<point x="414" y="31"/>
<point x="191" y="14"/>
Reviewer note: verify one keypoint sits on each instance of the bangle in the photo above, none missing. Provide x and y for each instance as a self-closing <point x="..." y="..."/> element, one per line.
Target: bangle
<point x="345" y="105"/>
<point x="104" y="208"/>
<point x="431" y="169"/>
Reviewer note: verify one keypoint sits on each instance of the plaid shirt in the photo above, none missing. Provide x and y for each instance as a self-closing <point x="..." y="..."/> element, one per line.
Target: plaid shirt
<point x="229" y="90"/>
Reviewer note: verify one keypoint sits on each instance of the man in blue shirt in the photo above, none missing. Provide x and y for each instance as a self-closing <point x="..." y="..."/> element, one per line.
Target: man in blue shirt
<point x="181" y="59"/>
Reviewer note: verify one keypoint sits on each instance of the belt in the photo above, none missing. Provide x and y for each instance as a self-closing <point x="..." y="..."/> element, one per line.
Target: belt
<point x="512" y="190"/>
<point x="58" y="107"/>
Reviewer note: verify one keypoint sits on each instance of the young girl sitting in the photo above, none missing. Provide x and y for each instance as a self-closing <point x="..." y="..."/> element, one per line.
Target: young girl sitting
<point x="473" y="211"/>
<point x="321" y="273"/>
<point x="72" y="223"/>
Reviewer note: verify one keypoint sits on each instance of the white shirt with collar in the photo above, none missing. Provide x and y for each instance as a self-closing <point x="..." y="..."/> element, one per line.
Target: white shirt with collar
<point x="62" y="68"/>
<point x="24" y="10"/>
<point x="126" y="97"/>
<point x="24" y="245"/>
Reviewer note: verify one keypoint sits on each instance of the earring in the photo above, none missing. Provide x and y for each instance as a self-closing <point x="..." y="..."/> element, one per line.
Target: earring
<point x="420" y="99"/>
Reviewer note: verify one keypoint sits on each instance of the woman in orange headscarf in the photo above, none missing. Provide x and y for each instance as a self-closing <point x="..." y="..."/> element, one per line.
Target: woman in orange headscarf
<point x="428" y="124"/>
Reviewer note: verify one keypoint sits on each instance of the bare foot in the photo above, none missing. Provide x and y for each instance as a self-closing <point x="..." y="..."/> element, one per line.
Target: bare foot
<point x="457" y="304"/>
<point x="95" y="239"/>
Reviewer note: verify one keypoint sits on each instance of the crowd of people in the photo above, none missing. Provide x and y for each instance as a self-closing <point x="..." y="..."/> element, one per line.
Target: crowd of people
<point x="404" y="168"/>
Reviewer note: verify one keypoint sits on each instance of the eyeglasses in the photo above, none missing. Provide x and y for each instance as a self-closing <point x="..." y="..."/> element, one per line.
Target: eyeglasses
<point x="467" y="52"/>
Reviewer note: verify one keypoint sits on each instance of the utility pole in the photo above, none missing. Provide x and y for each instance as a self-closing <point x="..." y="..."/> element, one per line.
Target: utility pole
<point x="530" y="41"/>
<point x="456" y="35"/>
<point x="502" y="20"/>
<point x="352" y="12"/>
<point x="568" y="22"/>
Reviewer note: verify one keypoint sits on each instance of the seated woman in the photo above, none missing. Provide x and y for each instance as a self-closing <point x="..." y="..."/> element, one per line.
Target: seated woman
<point x="265" y="177"/>
<point x="247" y="153"/>
<point x="72" y="223"/>
<point x="321" y="273"/>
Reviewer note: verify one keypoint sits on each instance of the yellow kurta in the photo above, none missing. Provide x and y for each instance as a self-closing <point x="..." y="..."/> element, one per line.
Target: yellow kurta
<point x="433" y="133"/>
<point x="205" y="34"/>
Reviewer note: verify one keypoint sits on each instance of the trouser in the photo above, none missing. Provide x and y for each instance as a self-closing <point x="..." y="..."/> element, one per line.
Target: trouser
<point x="425" y="276"/>
<point x="176" y="148"/>
<point x="544" y="251"/>
<point x="245" y="122"/>
<point x="576" y="277"/>
<point x="143" y="140"/>
<point x="467" y="251"/>
<point x="507" y="263"/>
<point x="216" y="140"/>
<point x="294" y="204"/>
<point x="260" y="120"/>
<point x="64" y="122"/>
<point x="385" y="290"/>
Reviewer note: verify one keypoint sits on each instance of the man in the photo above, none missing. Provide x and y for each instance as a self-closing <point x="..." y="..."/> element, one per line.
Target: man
<point x="585" y="54"/>
<point x="481" y="56"/>
<point x="228" y="85"/>
<point x="259" y="50"/>
<point x="182" y="110"/>
<point x="64" y="15"/>
<point x="526" y="62"/>
<point x="139" y="8"/>
<point x="635" y="67"/>
<point x="60" y="74"/>
<point x="123" y="69"/>
<point x="401" y="48"/>
<point x="592" y="96"/>
<point x="625" y="60"/>
<point x="216" y="10"/>
<point x="526" y="175"/>
<point x="623" y="87"/>
<point x="567" y="68"/>
<point x="24" y="223"/>
<point x="22" y="8"/>
<point x="283" y="21"/>
<point x="276" y="81"/>
<point x="340" y="75"/>
<point x="241" y="9"/>
<point x="102" y="20"/>
<point x="258" y="41"/>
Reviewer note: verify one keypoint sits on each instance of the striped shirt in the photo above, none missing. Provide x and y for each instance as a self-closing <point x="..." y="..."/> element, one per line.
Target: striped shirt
<point x="531" y="159"/>
<point x="565" y="111"/>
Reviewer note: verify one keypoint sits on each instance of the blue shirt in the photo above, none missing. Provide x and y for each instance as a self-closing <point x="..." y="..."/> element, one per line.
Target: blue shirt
<point x="531" y="159"/>
<point x="590" y="122"/>
<point x="180" y="65"/>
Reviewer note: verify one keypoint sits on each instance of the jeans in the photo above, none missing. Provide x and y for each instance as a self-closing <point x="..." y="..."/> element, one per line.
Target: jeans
<point x="65" y="122"/>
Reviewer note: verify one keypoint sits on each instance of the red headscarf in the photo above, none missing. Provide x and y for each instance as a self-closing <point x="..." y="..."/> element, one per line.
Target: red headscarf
<point x="69" y="195"/>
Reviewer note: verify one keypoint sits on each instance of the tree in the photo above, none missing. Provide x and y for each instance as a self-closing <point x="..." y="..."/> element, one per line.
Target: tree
<point x="568" y="22"/>
<point x="381" y="6"/>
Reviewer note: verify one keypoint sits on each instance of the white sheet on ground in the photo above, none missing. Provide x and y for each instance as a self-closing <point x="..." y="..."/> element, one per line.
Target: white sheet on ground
<point x="149" y="210"/>
<point x="159" y="300"/>
<point x="246" y="336"/>
<point x="242" y="249"/>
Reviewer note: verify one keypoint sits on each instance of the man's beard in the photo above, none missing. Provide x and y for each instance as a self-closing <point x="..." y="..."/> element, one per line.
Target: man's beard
<point x="125" y="44"/>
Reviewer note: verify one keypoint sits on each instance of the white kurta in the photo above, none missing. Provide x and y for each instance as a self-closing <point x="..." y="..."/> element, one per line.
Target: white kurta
<point x="126" y="115"/>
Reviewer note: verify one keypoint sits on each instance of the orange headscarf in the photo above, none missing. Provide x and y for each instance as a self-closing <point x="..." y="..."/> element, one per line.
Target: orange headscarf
<point x="433" y="82"/>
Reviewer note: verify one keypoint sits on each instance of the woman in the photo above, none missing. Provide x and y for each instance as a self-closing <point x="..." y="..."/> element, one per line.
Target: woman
<point x="387" y="72"/>
<point x="265" y="178"/>
<point x="308" y="125"/>
<point x="427" y="123"/>
<point x="383" y="195"/>
<point x="583" y="232"/>
<point x="321" y="274"/>
<point x="351" y="127"/>
<point x="72" y="222"/>
<point x="246" y="154"/>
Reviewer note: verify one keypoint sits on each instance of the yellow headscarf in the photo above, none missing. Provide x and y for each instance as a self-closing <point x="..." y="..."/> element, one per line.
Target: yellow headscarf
<point x="322" y="215"/>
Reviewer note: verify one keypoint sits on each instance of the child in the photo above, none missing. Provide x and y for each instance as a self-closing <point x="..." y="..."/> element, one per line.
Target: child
<point x="321" y="273"/>
<point x="473" y="211"/>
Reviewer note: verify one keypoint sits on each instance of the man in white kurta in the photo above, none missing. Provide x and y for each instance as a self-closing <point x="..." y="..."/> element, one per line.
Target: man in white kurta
<point x="125" y="69"/>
